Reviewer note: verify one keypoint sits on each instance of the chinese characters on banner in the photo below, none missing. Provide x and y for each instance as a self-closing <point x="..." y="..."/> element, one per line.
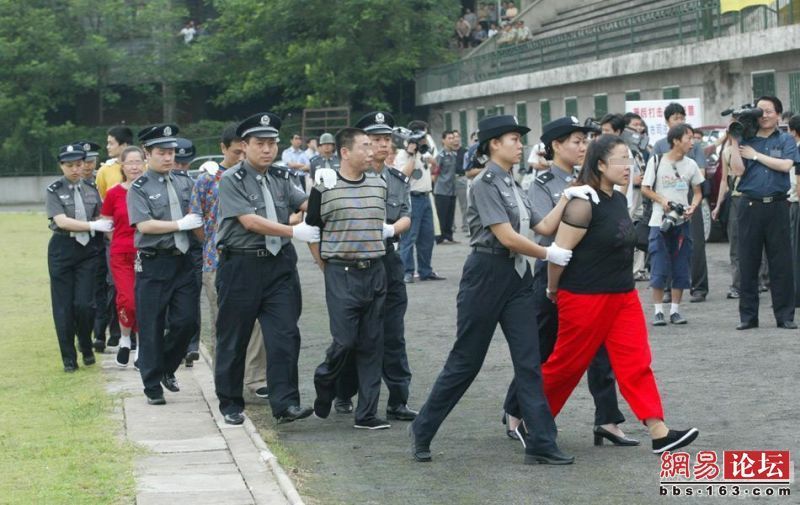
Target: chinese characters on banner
<point x="652" y="112"/>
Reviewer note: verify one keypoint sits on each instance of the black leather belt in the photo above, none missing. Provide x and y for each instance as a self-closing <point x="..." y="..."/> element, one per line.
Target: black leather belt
<point x="357" y="264"/>
<point x="259" y="253"/>
<point x="497" y="251"/>
<point x="767" y="199"/>
<point x="420" y="193"/>
<point x="151" y="253"/>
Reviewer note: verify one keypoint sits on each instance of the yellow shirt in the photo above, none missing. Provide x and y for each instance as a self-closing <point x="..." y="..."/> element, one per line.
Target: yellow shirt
<point x="108" y="176"/>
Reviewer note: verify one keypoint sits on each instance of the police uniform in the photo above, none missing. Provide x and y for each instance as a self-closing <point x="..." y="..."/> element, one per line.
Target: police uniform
<point x="544" y="194"/>
<point x="72" y="259"/>
<point x="396" y="372"/>
<point x="256" y="284"/>
<point x="320" y="161"/>
<point x="165" y="280"/>
<point x="491" y="292"/>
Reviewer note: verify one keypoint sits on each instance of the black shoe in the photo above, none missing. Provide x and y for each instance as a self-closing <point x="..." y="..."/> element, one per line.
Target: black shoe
<point x="170" y="382"/>
<point x="433" y="277"/>
<point x="262" y="392"/>
<point x="113" y="341"/>
<point x="295" y="413"/>
<point x="420" y="451"/>
<point x="136" y="364"/>
<point x="375" y="423"/>
<point x="555" y="457"/>
<point x="188" y="363"/>
<point x="674" y="440"/>
<point x="600" y="433"/>
<point x="235" y="418"/>
<point x="99" y="346"/>
<point x="787" y="325"/>
<point x="70" y="366"/>
<point x="134" y="338"/>
<point x="156" y="400"/>
<point x="763" y="289"/>
<point x="659" y="320"/>
<point x="401" y="413"/>
<point x="88" y="359"/>
<point x="509" y="433"/>
<point x="408" y="279"/>
<point x="193" y="355"/>
<point x="343" y="406"/>
<point x="123" y="356"/>
<point x="747" y="325"/>
<point x="677" y="319"/>
<point x="697" y="298"/>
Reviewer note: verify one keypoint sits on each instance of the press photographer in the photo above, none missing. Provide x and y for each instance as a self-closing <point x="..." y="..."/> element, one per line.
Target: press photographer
<point x="666" y="182"/>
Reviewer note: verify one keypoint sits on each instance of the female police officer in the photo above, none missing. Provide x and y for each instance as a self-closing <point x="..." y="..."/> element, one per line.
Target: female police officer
<point x="72" y="255"/>
<point x="497" y="286"/>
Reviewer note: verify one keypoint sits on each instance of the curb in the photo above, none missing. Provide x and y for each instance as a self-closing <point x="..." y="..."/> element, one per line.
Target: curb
<point x="267" y="457"/>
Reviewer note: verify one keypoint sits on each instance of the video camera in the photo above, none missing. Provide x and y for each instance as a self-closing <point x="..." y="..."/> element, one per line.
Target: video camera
<point x="637" y="142"/>
<point x="673" y="217"/>
<point x="745" y="121"/>
<point x="402" y="137"/>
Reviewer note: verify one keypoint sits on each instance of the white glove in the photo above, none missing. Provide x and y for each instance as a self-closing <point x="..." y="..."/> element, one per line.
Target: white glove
<point x="305" y="232"/>
<point x="582" y="192"/>
<point x="388" y="231"/>
<point x="189" y="222"/>
<point x="325" y="175"/>
<point x="209" y="167"/>
<point x="101" y="225"/>
<point x="558" y="256"/>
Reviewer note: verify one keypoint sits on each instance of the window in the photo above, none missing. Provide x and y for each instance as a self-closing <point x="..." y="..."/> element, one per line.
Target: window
<point x="448" y="121"/>
<point x="497" y="110"/>
<point x="522" y="117"/>
<point x="763" y="84"/>
<point x="462" y="124"/>
<point x="600" y="106"/>
<point x="794" y="90"/>
<point x="544" y="111"/>
<point x="481" y="113"/>
<point x="571" y="106"/>
<point x="633" y="95"/>
<point x="671" y="92"/>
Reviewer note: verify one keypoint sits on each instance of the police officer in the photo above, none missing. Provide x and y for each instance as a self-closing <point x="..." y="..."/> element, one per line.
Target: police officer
<point x="327" y="155"/>
<point x="90" y="163"/>
<point x="184" y="154"/>
<point x="158" y="204"/>
<point x="396" y="372"/>
<point x="497" y="285"/>
<point x="565" y="146"/>
<point x="72" y="205"/>
<point x="257" y="276"/>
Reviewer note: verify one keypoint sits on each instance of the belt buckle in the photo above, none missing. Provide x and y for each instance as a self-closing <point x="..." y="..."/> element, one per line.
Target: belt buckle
<point x="768" y="199"/>
<point x="362" y="264"/>
<point x="262" y="253"/>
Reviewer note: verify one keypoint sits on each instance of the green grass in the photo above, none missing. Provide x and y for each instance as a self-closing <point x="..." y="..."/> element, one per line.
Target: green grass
<point x="58" y="440"/>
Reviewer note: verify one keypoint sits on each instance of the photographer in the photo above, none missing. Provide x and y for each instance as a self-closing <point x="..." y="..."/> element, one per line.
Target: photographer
<point x="764" y="163"/>
<point x="666" y="182"/>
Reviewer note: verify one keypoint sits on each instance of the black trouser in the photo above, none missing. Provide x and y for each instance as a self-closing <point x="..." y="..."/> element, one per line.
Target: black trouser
<point x="602" y="385"/>
<point x="446" y="212"/>
<point x="765" y="225"/>
<point x="492" y="292"/>
<point x="266" y="289"/>
<point x="396" y="372"/>
<point x="196" y="252"/>
<point x="699" y="265"/>
<point x="794" y="235"/>
<point x="166" y="283"/>
<point x="72" y="269"/>
<point x="355" y="299"/>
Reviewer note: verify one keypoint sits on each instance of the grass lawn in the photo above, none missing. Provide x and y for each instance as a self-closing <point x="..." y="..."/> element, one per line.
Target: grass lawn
<point x="58" y="440"/>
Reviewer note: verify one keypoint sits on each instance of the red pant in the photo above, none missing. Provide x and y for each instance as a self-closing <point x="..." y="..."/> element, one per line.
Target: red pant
<point x="585" y="322"/>
<point x="124" y="277"/>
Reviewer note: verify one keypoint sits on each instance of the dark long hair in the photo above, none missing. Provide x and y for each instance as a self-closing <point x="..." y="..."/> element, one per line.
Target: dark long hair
<point x="599" y="150"/>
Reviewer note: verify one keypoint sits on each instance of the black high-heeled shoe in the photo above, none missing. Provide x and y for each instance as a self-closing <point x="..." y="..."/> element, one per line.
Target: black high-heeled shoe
<point x="509" y="433"/>
<point x="600" y="433"/>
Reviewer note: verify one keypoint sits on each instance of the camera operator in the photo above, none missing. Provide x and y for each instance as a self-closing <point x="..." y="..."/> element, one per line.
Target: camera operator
<point x="666" y="182"/>
<point x="416" y="161"/>
<point x="764" y="163"/>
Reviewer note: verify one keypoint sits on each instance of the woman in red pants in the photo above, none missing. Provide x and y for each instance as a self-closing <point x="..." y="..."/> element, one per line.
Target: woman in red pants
<point x="597" y="300"/>
<point x="123" y="252"/>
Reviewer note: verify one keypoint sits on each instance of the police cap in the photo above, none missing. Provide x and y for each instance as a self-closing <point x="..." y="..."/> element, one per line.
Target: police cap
<point x="326" y="138"/>
<point x="92" y="149"/>
<point x="376" y="123"/>
<point x="563" y="126"/>
<point x="160" y="135"/>
<point x="261" y="125"/>
<point x="495" y="126"/>
<point x="185" y="151"/>
<point x="71" y="152"/>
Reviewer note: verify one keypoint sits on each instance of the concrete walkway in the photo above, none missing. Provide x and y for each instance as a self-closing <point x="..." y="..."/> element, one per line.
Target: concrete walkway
<point x="191" y="455"/>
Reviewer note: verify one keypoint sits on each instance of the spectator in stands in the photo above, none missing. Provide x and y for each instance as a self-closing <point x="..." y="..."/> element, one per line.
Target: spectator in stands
<point x="493" y="17"/>
<point x="521" y="32"/>
<point x="506" y="36"/>
<point x="471" y="18"/>
<point x="492" y="30"/>
<point x="511" y="11"/>
<point x="311" y="148"/>
<point x="463" y="32"/>
<point x="478" y="36"/>
<point x="483" y="16"/>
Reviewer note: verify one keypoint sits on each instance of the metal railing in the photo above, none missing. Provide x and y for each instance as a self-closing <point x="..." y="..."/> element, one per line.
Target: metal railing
<point x="676" y="24"/>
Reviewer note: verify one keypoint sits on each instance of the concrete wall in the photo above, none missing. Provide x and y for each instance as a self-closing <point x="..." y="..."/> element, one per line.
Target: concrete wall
<point x="24" y="190"/>
<point x="718" y="71"/>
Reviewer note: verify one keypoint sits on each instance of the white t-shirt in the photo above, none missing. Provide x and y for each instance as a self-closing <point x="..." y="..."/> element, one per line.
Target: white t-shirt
<point x="188" y="34"/>
<point x="420" y="180"/>
<point x="672" y="182"/>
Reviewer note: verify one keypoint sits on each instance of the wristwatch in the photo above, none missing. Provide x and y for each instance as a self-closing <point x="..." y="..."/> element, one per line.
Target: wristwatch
<point x="755" y="157"/>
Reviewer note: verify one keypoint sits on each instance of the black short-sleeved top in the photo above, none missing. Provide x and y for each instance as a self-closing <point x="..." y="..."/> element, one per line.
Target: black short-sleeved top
<point x="602" y="262"/>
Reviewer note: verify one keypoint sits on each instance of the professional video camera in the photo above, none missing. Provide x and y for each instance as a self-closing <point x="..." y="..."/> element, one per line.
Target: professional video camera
<point x="637" y="142"/>
<point x="673" y="217"/>
<point x="745" y="121"/>
<point x="402" y="137"/>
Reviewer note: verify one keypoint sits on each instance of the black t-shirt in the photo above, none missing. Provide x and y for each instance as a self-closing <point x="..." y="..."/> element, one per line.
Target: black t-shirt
<point x="603" y="261"/>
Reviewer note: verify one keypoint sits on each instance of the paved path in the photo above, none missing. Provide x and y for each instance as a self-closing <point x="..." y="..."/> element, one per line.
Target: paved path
<point x="190" y="455"/>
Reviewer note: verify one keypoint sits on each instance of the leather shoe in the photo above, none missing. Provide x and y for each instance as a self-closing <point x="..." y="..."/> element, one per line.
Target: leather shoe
<point x="170" y="382"/>
<point x="99" y="346"/>
<point x="234" y="418"/>
<point x="787" y="325"/>
<point x="88" y="359"/>
<point x="401" y="413"/>
<point x="294" y="413"/>
<point x="432" y="277"/>
<point x="747" y="325"/>
<point x="420" y="451"/>
<point x="697" y="298"/>
<point x="554" y="457"/>
<point x="156" y="400"/>
<point x="600" y="433"/>
<point x="70" y="366"/>
<point x="343" y="406"/>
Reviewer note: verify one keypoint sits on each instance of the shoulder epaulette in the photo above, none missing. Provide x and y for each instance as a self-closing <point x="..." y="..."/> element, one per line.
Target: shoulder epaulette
<point x="279" y="171"/>
<point x="400" y="175"/>
<point x="184" y="173"/>
<point x="240" y="172"/>
<point x="544" y="178"/>
<point x="139" y="182"/>
<point x="488" y="176"/>
<point x="89" y="183"/>
<point x="54" y="186"/>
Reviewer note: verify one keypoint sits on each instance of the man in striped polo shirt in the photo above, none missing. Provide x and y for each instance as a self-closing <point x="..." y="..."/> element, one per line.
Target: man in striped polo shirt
<point x="350" y="212"/>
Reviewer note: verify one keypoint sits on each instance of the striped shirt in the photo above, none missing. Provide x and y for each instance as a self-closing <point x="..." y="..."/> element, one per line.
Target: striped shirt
<point x="350" y="217"/>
